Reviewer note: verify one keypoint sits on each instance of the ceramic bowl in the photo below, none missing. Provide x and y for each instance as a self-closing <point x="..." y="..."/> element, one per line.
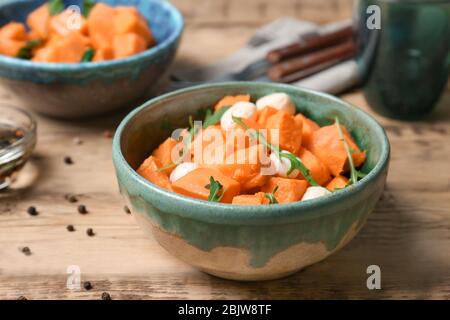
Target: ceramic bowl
<point x="247" y="242"/>
<point x="86" y="89"/>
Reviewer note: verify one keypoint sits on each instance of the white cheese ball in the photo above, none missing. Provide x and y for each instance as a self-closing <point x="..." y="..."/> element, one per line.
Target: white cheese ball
<point x="282" y="166"/>
<point x="278" y="100"/>
<point x="241" y="109"/>
<point x="315" y="192"/>
<point x="181" y="170"/>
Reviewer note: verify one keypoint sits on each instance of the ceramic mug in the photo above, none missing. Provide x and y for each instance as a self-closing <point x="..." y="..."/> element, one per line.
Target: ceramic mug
<point x="404" y="54"/>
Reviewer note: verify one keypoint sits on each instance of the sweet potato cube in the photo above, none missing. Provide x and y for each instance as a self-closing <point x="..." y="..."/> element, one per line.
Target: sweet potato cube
<point x="164" y="153"/>
<point x="103" y="54"/>
<point x="230" y="100"/>
<point x="308" y="127"/>
<point x="38" y="21"/>
<point x="68" y="49"/>
<point x="99" y="23"/>
<point x="289" y="131"/>
<point x="289" y="190"/>
<point x="318" y="170"/>
<point x="14" y="31"/>
<point x="338" y="182"/>
<point x="264" y="115"/>
<point x="149" y="169"/>
<point x="128" y="44"/>
<point x="244" y="166"/>
<point x="251" y="200"/>
<point x="64" y="23"/>
<point x="328" y="147"/>
<point x="129" y="20"/>
<point x="195" y="184"/>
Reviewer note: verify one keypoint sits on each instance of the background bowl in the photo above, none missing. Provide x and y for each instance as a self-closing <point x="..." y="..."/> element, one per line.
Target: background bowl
<point x="85" y="89"/>
<point x="247" y="242"/>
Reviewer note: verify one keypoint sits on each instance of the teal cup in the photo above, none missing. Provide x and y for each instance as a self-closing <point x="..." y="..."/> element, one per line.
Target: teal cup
<point x="404" y="54"/>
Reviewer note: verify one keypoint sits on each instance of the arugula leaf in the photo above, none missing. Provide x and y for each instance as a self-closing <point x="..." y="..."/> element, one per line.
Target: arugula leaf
<point x="296" y="163"/>
<point x="87" y="7"/>
<point x="214" y="118"/>
<point x="214" y="187"/>
<point x="88" y="55"/>
<point x="55" y="7"/>
<point x="26" y="52"/>
<point x="354" y="174"/>
<point x="271" y="196"/>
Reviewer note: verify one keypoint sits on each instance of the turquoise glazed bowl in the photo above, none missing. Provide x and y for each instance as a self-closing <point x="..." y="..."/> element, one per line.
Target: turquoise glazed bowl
<point x="79" y="90"/>
<point x="247" y="242"/>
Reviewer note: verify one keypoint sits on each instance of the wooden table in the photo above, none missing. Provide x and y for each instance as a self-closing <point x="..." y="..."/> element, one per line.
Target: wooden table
<point x="407" y="235"/>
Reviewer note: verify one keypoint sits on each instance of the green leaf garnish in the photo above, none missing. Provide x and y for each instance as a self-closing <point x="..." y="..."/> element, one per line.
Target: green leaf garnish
<point x="354" y="174"/>
<point x="26" y="52"/>
<point x="88" y="55"/>
<point x="215" y="190"/>
<point x="296" y="163"/>
<point x="271" y="196"/>
<point x="55" y="7"/>
<point x="214" y="118"/>
<point x="87" y="7"/>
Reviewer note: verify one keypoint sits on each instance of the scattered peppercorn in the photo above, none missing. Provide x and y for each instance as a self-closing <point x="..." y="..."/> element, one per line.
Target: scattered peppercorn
<point x="87" y="285"/>
<point x="90" y="232"/>
<point x="106" y="296"/>
<point x="32" y="211"/>
<point x="126" y="209"/>
<point x="71" y="198"/>
<point x="70" y="228"/>
<point x="22" y="298"/>
<point x="26" y="251"/>
<point x="82" y="209"/>
<point x="68" y="160"/>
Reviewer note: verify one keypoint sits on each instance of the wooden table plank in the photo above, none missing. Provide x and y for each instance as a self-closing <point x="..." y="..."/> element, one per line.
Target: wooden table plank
<point x="407" y="235"/>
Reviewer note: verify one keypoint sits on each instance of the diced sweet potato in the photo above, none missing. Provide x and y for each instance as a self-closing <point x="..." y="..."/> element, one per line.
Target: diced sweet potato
<point x="129" y="20"/>
<point x="230" y="100"/>
<point x="38" y="21"/>
<point x="264" y="115"/>
<point x="208" y="146"/>
<point x="289" y="131"/>
<point x="164" y="153"/>
<point x="13" y="37"/>
<point x="338" y="182"/>
<point x="100" y="25"/>
<point x="128" y="44"/>
<point x="244" y="166"/>
<point x="103" y="54"/>
<point x="289" y="190"/>
<point x="66" y="22"/>
<point x="14" y="31"/>
<point x="328" y="147"/>
<point x="195" y="183"/>
<point x="149" y="169"/>
<point x="308" y="127"/>
<point x="251" y="200"/>
<point x="317" y="168"/>
<point x="68" y="49"/>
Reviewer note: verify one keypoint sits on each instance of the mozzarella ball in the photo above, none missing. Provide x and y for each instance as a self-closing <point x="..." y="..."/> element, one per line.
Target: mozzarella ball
<point x="315" y="192"/>
<point x="278" y="100"/>
<point x="282" y="166"/>
<point x="181" y="170"/>
<point x="241" y="109"/>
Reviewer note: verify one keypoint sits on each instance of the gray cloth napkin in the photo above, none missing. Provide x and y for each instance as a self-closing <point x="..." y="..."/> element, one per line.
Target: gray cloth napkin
<point x="278" y="33"/>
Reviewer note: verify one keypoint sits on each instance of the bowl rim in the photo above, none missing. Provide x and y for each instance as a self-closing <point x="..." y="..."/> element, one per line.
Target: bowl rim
<point x="177" y="18"/>
<point x="253" y="214"/>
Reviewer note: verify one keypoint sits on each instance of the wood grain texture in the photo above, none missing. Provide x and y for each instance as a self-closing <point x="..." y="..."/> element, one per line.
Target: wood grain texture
<point x="407" y="235"/>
